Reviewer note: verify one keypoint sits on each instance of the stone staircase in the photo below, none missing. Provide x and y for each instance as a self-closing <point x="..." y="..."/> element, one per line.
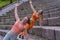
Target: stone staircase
<point x="51" y="8"/>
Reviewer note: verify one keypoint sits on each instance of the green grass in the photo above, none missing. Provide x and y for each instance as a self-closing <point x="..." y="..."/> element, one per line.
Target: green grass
<point x="14" y="0"/>
<point x="4" y="3"/>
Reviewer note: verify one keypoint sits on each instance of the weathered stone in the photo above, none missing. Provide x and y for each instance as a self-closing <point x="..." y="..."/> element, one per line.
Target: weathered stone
<point x="57" y="33"/>
<point x="55" y="22"/>
<point x="35" y="31"/>
<point x="48" y="32"/>
<point x="2" y="33"/>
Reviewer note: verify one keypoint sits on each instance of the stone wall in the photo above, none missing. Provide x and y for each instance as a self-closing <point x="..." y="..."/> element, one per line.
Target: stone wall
<point x="50" y="33"/>
<point x="51" y="9"/>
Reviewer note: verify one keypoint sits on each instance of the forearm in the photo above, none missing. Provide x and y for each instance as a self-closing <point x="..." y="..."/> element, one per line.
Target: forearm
<point x="26" y="34"/>
<point x="40" y="20"/>
<point x="16" y="13"/>
<point x="33" y="9"/>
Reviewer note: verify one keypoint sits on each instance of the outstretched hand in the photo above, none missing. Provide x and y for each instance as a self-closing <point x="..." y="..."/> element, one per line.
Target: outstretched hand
<point x="30" y="1"/>
<point x="40" y="12"/>
<point x="17" y="4"/>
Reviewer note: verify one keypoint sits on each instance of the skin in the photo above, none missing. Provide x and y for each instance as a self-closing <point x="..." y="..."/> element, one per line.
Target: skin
<point x="38" y="13"/>
<point x="21" y="25"/>
<point x="22" y="22"/>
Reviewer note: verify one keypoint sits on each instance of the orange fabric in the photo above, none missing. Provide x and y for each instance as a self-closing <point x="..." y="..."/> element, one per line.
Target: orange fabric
<point x="32" y="22"/>
<point x="23" y="33"/>
<point x="35" y="16"/>
<point x="27" y="26"/>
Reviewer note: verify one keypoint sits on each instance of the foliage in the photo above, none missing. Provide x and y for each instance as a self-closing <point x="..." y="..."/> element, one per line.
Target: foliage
<point x="5" y="2"/>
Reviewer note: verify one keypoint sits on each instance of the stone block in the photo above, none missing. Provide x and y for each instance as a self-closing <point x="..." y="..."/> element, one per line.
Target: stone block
<point x="57" y="33"/>
<point x="51" y="33"/>
<point x="2" y="33"/>
<point x="53" y="22"/>
<point x="35" y="31"/>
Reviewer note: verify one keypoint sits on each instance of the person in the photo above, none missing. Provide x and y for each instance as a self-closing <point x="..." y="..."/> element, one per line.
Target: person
<point x="31" y="21"/>
<point x="18" y="27"/>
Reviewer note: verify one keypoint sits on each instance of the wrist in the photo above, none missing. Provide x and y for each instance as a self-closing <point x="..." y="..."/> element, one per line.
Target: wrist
<point x="30" y="2"/>
<point x="17" y="4"/>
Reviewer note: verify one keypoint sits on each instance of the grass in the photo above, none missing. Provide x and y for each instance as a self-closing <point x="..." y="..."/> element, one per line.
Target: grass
<point x="4" y="3"/>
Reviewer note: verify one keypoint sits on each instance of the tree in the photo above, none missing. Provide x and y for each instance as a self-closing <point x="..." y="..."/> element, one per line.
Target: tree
<point x="2" y="0"/>
<point x="11" y="1"/>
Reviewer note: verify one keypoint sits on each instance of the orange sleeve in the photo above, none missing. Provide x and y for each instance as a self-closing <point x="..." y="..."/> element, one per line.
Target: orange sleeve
<point x="23" y="33"/>
<point x="32" y="23"/>
<point x="35" y="16"/>
<point x="27" y="26"/>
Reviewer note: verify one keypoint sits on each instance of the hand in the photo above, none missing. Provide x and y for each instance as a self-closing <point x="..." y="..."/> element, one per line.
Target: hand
<point x="17" y="4"/>
<point x="40" y="12"/>
<point x="30" y="1"/>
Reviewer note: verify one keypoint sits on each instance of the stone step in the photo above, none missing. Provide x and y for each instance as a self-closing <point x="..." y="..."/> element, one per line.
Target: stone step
<point x="7" y="23"/>
<point x="6" y="27"/>
<point x="55" y="22"/>
<point x="48" y="32"/>
<point x="51" y="8"/>
<point x="3" y="17"/>
<point x="51" y="20"/>
<point x="54" y="14"/>
<point x="31" y="37"/>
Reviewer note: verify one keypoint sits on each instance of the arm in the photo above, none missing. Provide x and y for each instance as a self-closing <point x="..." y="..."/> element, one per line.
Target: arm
<point x="40" y="12"/>
<point x="40" y="20"/>
<point x="16" y="14"/>
<point x="26" y="34"/>
<point x="33" y="9"/>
